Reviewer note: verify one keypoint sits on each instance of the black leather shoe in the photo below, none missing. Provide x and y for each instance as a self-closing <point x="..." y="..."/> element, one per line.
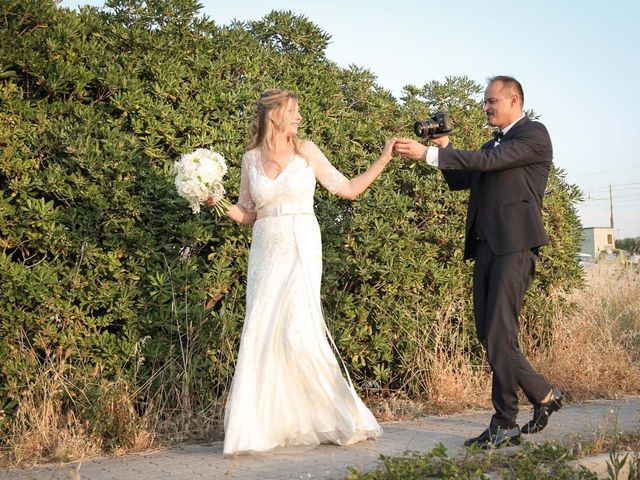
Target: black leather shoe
<point x="495" y="437"/>
<point x="543" y="411"/>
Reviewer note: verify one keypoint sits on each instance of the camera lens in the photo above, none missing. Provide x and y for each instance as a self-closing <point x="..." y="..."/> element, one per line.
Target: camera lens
<point x="425" y="128"/>
<point x="438" y="125"/>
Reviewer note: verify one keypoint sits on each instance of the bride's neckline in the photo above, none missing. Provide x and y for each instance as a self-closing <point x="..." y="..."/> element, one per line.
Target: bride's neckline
<point x="283" y="168"/>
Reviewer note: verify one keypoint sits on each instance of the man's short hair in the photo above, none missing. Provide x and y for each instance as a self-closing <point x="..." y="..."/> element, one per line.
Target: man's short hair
<point x="510" y="82"/>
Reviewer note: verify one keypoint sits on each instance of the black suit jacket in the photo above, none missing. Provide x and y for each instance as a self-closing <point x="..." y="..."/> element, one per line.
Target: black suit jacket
<point x="507" y="184"/>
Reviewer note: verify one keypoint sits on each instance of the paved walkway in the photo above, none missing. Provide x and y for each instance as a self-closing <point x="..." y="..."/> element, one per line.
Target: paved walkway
<point x="574" y="421"/>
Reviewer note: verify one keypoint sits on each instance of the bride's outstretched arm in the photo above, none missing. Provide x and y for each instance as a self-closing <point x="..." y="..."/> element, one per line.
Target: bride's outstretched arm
<point x="359" y="184"/>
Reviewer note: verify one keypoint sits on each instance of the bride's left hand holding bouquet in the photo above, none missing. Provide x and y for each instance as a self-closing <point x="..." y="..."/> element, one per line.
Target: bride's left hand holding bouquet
<point x="199" y="177"/>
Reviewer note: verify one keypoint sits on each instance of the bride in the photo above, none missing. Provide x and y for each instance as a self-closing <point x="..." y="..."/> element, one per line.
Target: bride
<point x="288" y="389"/>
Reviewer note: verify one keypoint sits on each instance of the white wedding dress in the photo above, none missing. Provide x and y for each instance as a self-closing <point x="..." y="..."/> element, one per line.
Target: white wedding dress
<point x="288" y="389"/>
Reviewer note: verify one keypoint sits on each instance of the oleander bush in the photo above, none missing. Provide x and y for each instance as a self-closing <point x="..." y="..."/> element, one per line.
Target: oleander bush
<point x="121" y="310"/>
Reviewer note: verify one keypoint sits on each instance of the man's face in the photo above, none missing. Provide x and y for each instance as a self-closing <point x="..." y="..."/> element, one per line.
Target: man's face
<point x="499" y="105"/>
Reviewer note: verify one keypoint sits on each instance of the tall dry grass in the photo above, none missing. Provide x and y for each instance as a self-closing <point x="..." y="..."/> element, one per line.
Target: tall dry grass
<point x="592" y="353"/>
<point x="41" y="430"/>
<point x="66" y="415"/>
<point x="446" y="370"/>
<point x="595" y="353"/>
<point x="443" y="375"/>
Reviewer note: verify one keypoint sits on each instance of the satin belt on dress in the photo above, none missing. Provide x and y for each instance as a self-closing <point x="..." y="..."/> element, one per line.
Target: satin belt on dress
<point x="295" y="208"/>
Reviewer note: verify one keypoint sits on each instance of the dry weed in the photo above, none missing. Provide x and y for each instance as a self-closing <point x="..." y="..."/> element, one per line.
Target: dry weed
<point x="63" y="417"/>
<point x="42" y="430"/>
<point x="394" y="406"/>
<point x="444" y="367"/>
<point x="594" y="352"/>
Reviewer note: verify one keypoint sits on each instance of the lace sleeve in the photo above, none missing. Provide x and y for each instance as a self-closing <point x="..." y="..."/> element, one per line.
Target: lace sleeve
<point x="325" y="172"/>
<point x="245" y="200"/>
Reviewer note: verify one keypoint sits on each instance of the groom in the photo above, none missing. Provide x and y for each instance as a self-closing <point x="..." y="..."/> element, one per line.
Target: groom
<point x="504" y="229"/>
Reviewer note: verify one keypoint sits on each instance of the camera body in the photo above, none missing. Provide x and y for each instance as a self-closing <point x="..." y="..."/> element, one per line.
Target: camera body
<point x="438" y="125"/>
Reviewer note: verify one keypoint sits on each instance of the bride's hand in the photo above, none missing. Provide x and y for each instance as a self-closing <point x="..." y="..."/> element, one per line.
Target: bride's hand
<point x="211" y="202"/>
<point x="387" y="151"/>
<point x="410" y="148"/>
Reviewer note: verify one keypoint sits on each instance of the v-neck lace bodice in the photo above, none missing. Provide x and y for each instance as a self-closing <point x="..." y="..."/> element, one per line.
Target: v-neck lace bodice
<point x="282" y="168"/>
<point x="295" y="183"/>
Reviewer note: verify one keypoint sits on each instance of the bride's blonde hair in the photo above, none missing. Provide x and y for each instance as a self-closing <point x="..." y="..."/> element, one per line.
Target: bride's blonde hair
<point x="263" y="129"/>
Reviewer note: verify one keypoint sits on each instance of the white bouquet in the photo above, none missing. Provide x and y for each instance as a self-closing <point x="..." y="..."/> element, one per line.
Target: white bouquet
<point x="199" y="176"/>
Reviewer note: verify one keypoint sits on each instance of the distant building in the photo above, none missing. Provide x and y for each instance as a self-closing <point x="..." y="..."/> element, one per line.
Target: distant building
<point x="596" y="240"/>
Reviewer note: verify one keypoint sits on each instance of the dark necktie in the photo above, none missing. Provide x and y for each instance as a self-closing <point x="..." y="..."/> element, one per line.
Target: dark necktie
<point x="497" y="136"/>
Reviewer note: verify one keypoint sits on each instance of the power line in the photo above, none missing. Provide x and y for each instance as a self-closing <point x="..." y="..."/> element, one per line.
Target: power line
<point x="605" y="171"/>
<point x="615" y="197"/>
<point x="618" y="185"/>
<point x="628" y="195"/>
<point x="624" y="186"/>
<point x="596" y="195"/>
<point x="627" y="202"/>
<point x="594" y="200"/>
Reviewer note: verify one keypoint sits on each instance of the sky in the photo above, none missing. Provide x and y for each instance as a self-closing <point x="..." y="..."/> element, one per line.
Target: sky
<point x="578" y="62"/>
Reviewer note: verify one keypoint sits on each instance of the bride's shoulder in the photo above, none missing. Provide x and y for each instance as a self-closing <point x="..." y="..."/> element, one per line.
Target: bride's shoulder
<point x="251" y="157"/>
<point x="307" y="146"/>
<point x="309" y="149"/>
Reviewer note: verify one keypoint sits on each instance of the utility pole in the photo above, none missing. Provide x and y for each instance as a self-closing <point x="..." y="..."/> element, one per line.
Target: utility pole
<point x="610" y="207"/>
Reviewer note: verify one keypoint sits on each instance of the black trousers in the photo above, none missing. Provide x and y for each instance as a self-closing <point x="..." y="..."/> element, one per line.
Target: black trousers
<point x="499" y="285"/>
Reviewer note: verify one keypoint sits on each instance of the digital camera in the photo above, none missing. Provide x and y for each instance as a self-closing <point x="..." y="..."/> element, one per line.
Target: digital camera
<point x="437" y="126"/>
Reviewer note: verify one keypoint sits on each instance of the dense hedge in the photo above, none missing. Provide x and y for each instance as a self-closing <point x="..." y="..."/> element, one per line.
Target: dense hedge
<point x="107" y="274"/>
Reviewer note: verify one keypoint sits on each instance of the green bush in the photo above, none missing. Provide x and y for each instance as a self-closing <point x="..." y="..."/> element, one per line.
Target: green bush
<point x="104" y="266"/>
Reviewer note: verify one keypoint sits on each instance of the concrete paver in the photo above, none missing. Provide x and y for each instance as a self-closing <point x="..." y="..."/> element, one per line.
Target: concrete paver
<point x="574" y="421"/>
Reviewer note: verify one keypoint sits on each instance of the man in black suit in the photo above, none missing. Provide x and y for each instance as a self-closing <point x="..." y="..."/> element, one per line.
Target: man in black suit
<point x="504" y="229"/>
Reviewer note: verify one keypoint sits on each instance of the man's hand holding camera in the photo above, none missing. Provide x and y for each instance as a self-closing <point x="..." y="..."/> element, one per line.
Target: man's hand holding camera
<point x="436" y="130"/>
